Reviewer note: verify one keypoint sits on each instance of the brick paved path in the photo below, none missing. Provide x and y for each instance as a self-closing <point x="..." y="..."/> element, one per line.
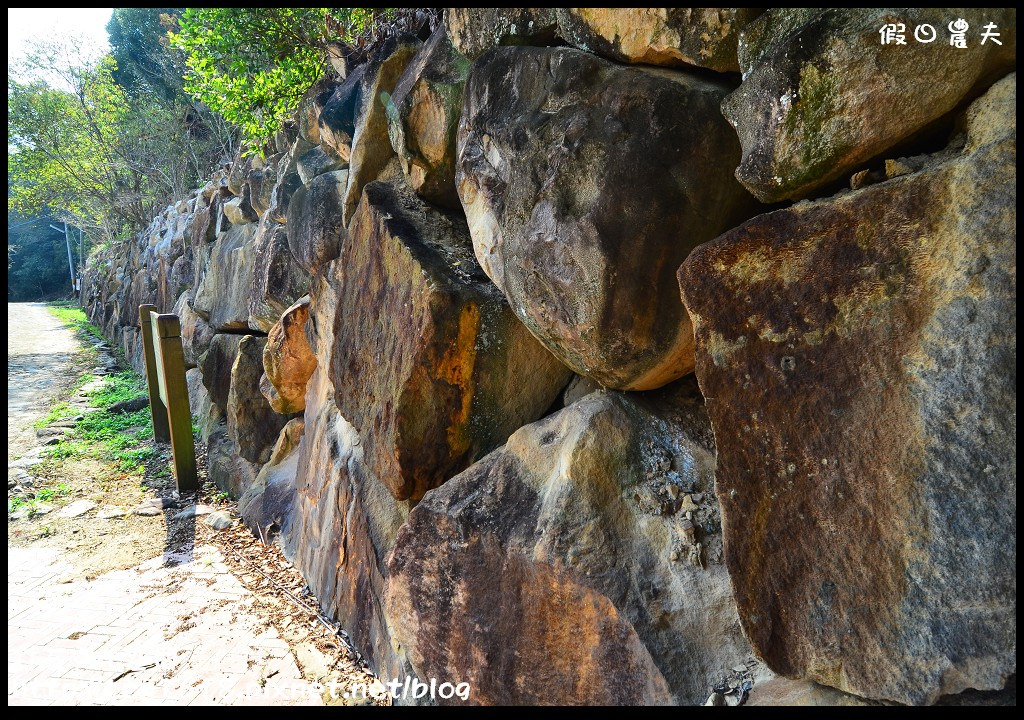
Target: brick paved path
<point x="186" y="632"/>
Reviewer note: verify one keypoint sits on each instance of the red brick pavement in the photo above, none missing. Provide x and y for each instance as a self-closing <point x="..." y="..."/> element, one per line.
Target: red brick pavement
<point x="185" y="632"/>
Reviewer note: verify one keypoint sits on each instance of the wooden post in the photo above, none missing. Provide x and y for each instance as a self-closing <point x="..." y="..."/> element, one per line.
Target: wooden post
<point x="170" y="366"/>
<point x="161" y="430"/>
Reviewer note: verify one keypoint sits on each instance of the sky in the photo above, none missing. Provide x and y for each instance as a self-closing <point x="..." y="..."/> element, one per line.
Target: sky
<point x="27" y="24"/>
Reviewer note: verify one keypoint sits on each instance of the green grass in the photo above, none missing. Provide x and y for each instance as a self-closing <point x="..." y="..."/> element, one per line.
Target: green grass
<point x="75" y="317"/>
<point x="120" y="386"/>
<point x="111" y="436"/>
<point x="49" y="493"/>
<point x="115" y="437"/>
<point x="59" y="411"/>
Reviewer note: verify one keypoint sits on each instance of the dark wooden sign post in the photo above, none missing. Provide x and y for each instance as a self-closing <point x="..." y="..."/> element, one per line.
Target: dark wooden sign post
<point x="168" y="392"/>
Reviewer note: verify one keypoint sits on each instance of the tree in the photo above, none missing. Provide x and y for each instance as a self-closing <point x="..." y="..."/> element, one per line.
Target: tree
<point x="77" y="141"/>
<point x="252" y="65"/>
<point x="146" y="64"/>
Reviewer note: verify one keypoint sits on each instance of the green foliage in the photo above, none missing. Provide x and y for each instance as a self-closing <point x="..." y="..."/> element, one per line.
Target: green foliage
<point x="49" y="493"/>
<point x="146" y="64"/>
<point x="105" y="157"/>
<point x="252" y="65"/>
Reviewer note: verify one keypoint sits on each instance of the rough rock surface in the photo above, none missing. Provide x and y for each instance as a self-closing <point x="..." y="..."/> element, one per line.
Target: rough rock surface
<point x="288" y="181"/>
<point x="423" y="117"/>
<point x="288" y="361"/>
<point x="821" y="94"/>
<point x="266" y="505"/>
<point x="315" y="228"/>
<point x="252" y="424"/>
<point x="196" y="333"/>
<point x="204" y="411"/>
<point x="584" y="190"/>
<point x="705" y="37"/>
<point x="581" y="563"/>
<point x="228" y="470"/>
<point x="858" y="355"/>
<point x="338" y="119"/>
<point x="278" y="280"/>
<point x="453" y="373"/>
<point x="317" y="162"/>
<point x="216" y="364"/>
<point x="371" y="145"/>
<point x="474" y="30"/>
<point x="345" y="520"/>
<point x="223" y="293"/>
<point x="782" y="691"/>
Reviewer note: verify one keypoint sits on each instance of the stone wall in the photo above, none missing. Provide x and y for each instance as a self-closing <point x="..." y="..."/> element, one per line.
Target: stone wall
<point x="500" y="341"/>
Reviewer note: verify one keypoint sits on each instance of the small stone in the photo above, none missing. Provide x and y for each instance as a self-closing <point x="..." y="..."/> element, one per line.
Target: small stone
<point x="674" y="556"/>
<point x="672" y="490"/>
<point x="894" y="168"/>
<point x="688" y="504"/>
<point x="77" y="508"/>
<point x="146" y="511"/>
<point x="53" y="440"/>
<point x="194" y="511"/>
<point x="108" y="512"/>
<point x="220" y="520"/>
<point x="27" y="461"/>
<point x="20" y="514"/>
<point x="688" y="532"/>
<point x="42" y="509"/>
<point x="716" y="700"/>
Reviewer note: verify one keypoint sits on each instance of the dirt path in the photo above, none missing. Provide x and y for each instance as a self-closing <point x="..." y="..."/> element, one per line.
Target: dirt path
<point x="39" y="350"/>
<point x="134" y="608"/>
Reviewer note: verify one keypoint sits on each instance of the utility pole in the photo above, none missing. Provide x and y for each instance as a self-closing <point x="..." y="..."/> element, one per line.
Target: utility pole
<point x="71" y="262"/>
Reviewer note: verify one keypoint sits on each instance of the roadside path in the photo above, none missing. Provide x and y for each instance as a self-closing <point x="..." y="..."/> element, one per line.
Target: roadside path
<point x="172" y="630"/>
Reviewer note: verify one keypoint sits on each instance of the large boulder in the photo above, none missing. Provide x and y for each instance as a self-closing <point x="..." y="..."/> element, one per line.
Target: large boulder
<point x="315" y="227"/>
<point x="311" y="106"/>
<point x="337" y="121"/>
<point x="228" y="470"/>
<point x="859" y="359"/>
<point x="204" y="412"/>
<point x="445" y="375"/>
<point x="253" y="425"/>
<point x="278" y="280"/>
<point x="371" y="145"/>
<point x="288" y="361"/>
<point x="223" y="293"/>
<point x="423" y="117"/>
<point x="287" y="181"/>
<point x="196" y="333"/>
<point x="216" y="364"/>
<point x="344" y="520"/>
<point x="584" y="190"/>
<point x="266" y="505"/>
<point x="239" y="210"/>
<point x="474" y="30"/>
<point x="317" y="162"/>
<point x="676" y="37"/>
<point x="583" y="561"/>
<point x="822" y="95"/>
